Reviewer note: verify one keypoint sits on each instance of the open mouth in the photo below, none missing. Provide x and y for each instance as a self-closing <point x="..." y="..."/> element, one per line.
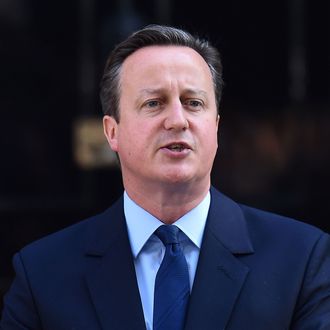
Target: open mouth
<point x="177" y="147"/>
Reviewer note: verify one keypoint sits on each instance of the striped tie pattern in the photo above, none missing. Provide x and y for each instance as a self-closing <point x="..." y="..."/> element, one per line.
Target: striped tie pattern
<point x="172" y="283"/>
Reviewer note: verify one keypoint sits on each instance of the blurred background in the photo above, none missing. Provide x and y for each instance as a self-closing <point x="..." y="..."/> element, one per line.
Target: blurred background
<point x="55" y="166"/>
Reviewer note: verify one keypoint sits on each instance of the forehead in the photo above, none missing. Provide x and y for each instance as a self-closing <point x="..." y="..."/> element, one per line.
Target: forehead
<point x="160" y="50"/>
<point x="159" y="60"/>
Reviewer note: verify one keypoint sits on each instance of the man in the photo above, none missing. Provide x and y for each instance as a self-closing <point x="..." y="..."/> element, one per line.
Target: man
<point x="244" y="268"/>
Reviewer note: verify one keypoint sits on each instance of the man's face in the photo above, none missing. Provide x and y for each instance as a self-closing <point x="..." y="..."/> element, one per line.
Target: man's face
<point x="168" y="125"/>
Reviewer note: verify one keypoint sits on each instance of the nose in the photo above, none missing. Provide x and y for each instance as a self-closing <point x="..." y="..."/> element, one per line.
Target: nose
<point x="176" y="117"/>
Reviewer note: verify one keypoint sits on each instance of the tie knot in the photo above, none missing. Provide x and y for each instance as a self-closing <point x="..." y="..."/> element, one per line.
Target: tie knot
<point x="168" y="234"/>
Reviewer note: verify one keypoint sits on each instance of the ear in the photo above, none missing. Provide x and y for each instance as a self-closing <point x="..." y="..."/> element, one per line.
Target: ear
<point x="218" y="121"/>
<point x="110" y="128"/>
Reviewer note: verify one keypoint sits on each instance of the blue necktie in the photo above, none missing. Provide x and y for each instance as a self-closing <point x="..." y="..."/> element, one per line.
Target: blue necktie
<point x="172" y="283"/>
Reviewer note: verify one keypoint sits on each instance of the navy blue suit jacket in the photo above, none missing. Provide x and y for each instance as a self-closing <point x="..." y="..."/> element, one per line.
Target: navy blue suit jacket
<point x="256" y="271"/>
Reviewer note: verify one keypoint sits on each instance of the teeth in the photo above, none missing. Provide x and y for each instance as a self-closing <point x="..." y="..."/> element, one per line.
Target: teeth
<point x="176" y="147"/>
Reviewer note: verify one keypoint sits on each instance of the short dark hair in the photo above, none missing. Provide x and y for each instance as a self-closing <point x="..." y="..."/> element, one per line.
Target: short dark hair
<point x="154" y="35"/>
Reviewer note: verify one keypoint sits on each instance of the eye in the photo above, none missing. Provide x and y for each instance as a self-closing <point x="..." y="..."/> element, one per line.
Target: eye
<point x="152" y="104"/>
<point x="194" y="104"/>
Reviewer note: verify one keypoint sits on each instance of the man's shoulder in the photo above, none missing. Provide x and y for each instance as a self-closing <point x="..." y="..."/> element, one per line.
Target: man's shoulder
<point x="282" y="235"/>
<point x="278" y="223"/>
<point x="268" y="224"/>
<point x="74" y="238"/>
<point x="60" y="244"/>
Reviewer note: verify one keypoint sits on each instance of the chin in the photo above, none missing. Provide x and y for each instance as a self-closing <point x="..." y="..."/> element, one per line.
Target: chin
<point x="177" y="177"/>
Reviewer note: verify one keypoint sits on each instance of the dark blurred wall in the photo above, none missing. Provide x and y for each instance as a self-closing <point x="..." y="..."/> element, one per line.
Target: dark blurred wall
<point x="274" y="133"/>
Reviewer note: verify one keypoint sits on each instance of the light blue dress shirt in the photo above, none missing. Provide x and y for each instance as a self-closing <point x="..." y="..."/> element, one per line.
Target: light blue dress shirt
<point x="148" y="251"/>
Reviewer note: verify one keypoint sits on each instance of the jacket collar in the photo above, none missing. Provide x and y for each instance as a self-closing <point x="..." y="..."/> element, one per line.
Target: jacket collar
<point x="219" y="278"/>
<point x="110" y="273"/>
<point x="227" y="223"/>
<point x="220" y="274"/>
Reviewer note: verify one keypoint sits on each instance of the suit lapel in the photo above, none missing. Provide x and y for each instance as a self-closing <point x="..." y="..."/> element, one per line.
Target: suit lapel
<point x="110" y="273"/>
<point x="220" y="275"/>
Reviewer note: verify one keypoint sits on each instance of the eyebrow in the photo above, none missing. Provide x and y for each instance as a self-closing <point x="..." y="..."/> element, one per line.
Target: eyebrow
<point x="151" y="91"/>
<point x="196" y="92"/>
<point x="154" y="91"/>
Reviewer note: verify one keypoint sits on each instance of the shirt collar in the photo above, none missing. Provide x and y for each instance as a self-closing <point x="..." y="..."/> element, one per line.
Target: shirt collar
<point x="141" y="224"/>
<point x="193" y="222"/>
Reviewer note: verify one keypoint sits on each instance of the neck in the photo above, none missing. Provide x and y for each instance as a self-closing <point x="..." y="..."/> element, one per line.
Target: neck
<point x="168" y="202"/>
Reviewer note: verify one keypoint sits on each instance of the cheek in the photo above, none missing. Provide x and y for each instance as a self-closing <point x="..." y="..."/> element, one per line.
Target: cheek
<point x="133" y="139"/>
<point x="210" y="139"/>
<point x="210" y="131"/>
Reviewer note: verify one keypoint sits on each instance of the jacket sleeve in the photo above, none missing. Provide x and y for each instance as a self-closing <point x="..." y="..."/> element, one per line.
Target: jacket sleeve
<point x="313" y="305"/>
<point x="19" y="308"/>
